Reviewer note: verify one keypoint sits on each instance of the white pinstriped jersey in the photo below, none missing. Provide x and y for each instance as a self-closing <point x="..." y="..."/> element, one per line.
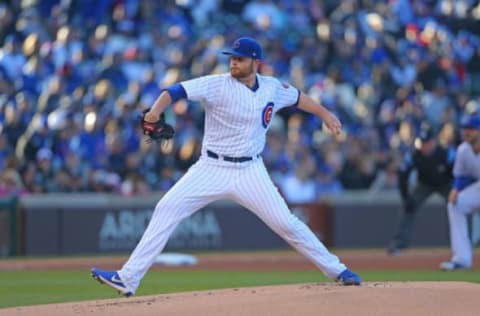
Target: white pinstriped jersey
<point x="467" y="163"/>
<point x="237" y="118"/>
<point x="236" y="123"/>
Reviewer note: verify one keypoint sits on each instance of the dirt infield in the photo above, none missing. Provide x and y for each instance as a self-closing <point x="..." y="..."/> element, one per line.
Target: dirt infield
<point x="380" y="298"/>
<point x="370" y="299"/>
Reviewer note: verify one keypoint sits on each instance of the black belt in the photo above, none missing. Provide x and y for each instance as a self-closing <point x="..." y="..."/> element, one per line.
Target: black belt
<point x="213" y="155"/>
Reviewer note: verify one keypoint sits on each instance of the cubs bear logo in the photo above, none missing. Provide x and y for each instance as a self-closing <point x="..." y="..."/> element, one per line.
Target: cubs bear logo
<point x="267" y="114"/>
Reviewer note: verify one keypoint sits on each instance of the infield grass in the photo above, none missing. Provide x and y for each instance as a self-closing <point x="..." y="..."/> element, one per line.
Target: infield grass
<point x="20" y="288"/>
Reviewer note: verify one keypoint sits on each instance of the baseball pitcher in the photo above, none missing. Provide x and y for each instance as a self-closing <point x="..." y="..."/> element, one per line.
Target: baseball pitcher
<point x="239" y="107"/>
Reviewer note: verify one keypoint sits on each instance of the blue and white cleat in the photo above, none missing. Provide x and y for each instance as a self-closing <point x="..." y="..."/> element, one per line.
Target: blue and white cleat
<point x="452" y="266"/>
<point x="348" y="277"/>
<point x="112" y="279"/>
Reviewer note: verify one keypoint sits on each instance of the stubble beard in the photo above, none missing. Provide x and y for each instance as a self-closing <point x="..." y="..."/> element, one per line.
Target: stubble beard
<point x="474" y="141"/>
<point x="242" y="75"/>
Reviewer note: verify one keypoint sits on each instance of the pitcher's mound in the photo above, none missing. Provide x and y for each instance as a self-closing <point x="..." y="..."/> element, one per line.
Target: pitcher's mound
<point x="380" y="298"/>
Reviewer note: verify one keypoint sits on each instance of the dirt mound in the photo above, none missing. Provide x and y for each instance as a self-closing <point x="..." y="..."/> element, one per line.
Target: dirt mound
<point x="381" y="298"/>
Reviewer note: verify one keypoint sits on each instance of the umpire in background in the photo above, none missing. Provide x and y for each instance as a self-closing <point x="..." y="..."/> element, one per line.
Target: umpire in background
<point x="433" y="164"/>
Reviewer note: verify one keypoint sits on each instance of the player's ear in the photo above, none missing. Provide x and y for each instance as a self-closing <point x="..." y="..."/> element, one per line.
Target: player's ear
<point x="257" y="63"/>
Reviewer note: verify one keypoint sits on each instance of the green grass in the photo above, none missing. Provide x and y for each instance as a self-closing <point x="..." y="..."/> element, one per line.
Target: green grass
<point x="19" y="288"/>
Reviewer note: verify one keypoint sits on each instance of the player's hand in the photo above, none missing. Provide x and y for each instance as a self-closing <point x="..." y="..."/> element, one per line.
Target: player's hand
<point x="452" y="197"/>
<point x="333" y="124"/>
<point x="151" y="117"/>
<point x="155" y="127"/>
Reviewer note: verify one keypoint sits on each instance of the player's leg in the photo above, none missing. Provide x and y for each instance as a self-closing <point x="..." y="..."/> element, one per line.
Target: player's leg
<point x="255" y="190"/>
<point x="403" y="235"/>
<point x="468" y="201"/>
<point x="475" y="229"/>
<point x="202" y="184"/>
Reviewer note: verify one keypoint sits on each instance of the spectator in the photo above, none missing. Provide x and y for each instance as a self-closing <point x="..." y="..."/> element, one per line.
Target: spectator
<point x="45" y="175"/>
<point x="11" y="57"/>
<point x="10" y="183"/>
<point x="380" y="66"/>
<point x="358" y="171"/>
<point x="299" y="186"/>
<point x="386" y="179"/>
<point x="326" y="183"/>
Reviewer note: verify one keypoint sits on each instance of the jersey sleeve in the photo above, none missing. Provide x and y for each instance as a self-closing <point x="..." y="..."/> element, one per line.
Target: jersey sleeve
<point x="287" y="95"/>
<point x="201" y="89"/>
<point x="460" y="166"/>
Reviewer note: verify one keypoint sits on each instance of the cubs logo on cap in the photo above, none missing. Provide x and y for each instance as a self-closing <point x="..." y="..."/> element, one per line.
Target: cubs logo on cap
<point x="245" y="47"/>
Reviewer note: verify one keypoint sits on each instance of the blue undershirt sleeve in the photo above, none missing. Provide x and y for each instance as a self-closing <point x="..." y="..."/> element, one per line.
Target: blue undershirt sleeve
<point x="176" y="92"/>
<point x="461" y="182"/>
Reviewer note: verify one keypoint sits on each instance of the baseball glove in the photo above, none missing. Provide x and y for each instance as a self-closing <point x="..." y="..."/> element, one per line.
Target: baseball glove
<point x="157" y="131"/>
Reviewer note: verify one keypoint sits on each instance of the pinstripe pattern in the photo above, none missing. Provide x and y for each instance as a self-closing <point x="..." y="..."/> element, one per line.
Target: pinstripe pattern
<point x="202" y="184"/>
<point x="255" y="191"/>
<point x="236" y="122"/>
<point x="467" y="163"/>
<point x="233" y="112"/>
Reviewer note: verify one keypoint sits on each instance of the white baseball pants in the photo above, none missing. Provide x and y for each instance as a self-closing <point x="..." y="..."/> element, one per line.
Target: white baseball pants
<point x="246" y="183"/>
<point x="468" y="201"/>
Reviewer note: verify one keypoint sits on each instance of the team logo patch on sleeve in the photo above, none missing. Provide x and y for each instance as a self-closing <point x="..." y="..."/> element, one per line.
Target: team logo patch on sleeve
<point x="285" y="85"/>
<point x="267" y="114"/>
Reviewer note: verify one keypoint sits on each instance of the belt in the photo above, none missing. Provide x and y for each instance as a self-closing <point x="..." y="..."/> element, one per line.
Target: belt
<point x="213" y="155"/>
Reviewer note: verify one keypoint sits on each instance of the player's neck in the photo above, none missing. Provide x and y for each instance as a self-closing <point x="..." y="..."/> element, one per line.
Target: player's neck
<point x="476" y="147"/>
<point x="249" y="81"/>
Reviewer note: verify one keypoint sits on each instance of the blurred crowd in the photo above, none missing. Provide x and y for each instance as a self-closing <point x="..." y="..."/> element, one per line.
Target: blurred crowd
<point x="75" y="76"/>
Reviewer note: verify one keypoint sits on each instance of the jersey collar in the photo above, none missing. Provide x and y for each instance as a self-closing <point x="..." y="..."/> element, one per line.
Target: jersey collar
<point x="255" y="85"/>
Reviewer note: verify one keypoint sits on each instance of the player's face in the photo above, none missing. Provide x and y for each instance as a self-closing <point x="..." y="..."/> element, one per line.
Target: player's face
<point x="241" y="67"/>
<point x="428" y="146"/>
<point x="471" y="135"/>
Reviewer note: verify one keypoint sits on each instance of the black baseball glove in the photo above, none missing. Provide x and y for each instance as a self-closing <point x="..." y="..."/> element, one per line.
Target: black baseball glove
<point x="157" y="131"/>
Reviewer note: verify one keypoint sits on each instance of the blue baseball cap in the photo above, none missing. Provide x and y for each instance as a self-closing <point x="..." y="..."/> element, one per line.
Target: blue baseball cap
<point x="245" y="47"/>
<point x="472" y="121"/>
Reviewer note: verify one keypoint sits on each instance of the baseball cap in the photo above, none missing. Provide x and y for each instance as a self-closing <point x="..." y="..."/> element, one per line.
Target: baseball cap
<point x="472" y="121"/>
<point x="245" y="47"/>
<point x="426" y="134"/>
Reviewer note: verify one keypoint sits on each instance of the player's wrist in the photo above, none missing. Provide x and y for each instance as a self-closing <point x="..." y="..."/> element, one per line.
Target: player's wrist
<point x="154" y="112"/>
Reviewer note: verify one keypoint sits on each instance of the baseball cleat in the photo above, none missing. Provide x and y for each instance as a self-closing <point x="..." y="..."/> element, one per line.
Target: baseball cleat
<point x="112" y="279"/>
<point x="451" y="266"/>
<point x="348" y="277"/>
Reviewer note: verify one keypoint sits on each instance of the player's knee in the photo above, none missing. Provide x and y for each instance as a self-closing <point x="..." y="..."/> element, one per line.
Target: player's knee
<point x="459" y="207"/>
<point x="165" y="204"/>
<point x="288" y="226"/>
